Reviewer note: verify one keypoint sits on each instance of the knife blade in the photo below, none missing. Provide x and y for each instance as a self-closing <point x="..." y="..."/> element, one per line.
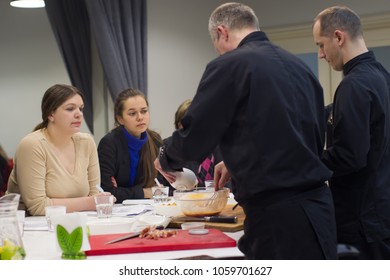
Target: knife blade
<point x="210" y="219"/>
<point x="125" y="237"/>
<point x="133" y="235"/>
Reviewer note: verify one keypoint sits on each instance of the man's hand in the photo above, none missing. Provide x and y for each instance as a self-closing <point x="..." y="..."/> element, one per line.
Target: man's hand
<point x="167" y="175"/>
<point x="221" y="175"/>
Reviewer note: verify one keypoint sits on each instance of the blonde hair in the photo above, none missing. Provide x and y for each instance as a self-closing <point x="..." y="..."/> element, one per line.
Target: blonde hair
<point x="181" y="111"/>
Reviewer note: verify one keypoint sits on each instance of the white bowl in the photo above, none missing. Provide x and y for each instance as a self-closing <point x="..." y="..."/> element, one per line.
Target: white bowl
<point x="168" y="209"/>
<point x="185" y="180"/>
<point x="192" y="225"/>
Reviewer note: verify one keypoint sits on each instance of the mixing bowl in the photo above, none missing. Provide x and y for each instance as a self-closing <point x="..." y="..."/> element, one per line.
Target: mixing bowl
<point x="199" y="203"/>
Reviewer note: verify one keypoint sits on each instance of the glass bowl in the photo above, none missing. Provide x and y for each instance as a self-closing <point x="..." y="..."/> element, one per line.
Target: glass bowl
<point x="199" y="203"/>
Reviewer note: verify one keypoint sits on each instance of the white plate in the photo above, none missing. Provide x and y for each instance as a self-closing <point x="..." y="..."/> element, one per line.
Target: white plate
<point x="153" y="220"/>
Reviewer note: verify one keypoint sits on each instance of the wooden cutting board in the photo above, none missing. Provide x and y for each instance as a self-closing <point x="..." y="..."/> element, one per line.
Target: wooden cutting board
<point x="181" y="241"/>
<point x="227" y="227"/>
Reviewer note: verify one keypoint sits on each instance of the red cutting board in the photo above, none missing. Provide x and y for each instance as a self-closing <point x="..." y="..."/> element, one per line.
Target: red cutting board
<point x="181" y="241"/>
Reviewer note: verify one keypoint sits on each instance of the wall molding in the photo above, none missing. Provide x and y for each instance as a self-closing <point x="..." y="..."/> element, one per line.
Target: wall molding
<point x="373" y="22"/>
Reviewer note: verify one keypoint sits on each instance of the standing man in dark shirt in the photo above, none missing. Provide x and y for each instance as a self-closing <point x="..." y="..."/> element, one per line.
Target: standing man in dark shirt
<point x="265" y="110"/>
<point x="358" y="150"/>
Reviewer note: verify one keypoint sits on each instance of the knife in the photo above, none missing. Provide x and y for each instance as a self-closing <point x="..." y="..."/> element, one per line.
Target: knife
<point x="125" y="237"/>
<point x="131" y="235"/>
<point x="210" y="219"/>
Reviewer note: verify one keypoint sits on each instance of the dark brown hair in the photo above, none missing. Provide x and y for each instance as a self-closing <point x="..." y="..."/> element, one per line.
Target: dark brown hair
<point x="53" y="98"/>
<point x="341" y="18"/>
<point x="149" y="151"/>
<point x="121" y="99"/>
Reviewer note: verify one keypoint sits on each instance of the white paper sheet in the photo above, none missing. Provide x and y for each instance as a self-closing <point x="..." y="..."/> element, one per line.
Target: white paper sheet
<point x="35" y="223"/>
<point x="138" y="201"/>
<point x="131" y="210"/>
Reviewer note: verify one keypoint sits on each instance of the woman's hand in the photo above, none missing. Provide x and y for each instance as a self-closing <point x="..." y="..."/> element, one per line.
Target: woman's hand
<point x="105" y="193"/>
<point x="148" y="192"/>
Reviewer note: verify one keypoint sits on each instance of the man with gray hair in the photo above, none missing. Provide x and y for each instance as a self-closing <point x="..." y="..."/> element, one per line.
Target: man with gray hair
<point x="358" y="149"/>
<point x="265" y="109"/>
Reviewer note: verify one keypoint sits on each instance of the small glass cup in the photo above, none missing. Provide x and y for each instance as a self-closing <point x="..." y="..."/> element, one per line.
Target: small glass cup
<point x="51" y="211"/>
<point x="160" y="194"/>
<point x="209" y="184"/>
<point x="104" y="205"/>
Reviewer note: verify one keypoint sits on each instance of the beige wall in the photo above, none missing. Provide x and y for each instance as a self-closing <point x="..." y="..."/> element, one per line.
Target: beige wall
<point x="298" y="39"/>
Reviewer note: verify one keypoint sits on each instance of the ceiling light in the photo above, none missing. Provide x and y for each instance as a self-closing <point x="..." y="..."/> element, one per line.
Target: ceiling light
<point x="28" y="3"/>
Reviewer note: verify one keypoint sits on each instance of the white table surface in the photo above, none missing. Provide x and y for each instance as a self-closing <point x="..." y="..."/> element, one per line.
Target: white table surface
<point x="41" y="245"/>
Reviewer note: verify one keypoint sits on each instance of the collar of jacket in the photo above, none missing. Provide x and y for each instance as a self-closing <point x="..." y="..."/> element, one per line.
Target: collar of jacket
<point x="362" y="58"/>
<point x="254" y="36"/>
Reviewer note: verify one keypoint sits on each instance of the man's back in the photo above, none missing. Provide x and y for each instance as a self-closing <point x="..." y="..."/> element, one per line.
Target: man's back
<point x="276" y="135"/>
<point x="265" y="110"/>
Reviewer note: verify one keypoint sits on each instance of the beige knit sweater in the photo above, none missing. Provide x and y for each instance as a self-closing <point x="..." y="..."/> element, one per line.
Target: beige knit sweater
<point x="39" y="176"/>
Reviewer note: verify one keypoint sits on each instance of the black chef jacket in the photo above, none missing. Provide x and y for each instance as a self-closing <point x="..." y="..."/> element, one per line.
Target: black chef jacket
<point x="265" y="109"/>
<point x="359" y="151"/>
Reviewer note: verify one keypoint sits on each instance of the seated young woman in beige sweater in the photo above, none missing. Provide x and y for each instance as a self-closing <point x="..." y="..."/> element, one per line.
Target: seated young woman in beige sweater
<point x="56" y="164"/>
